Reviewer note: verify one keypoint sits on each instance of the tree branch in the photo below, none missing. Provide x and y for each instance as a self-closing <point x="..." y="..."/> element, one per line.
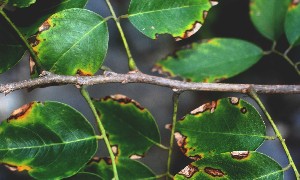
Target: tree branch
<point x="49" y="79"/>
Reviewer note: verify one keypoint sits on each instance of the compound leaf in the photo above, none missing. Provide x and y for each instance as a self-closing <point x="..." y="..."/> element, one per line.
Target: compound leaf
<point x="268" y="16"/>
<point x="127" y="169"/>
<point x="211" y="61"/>
<point x="30" y="19"/>
<point x="226" y="125"/>
<point x="50" y="140"/>
<point x="72" y="41"/>
<point x="131" y="128"/>
<point x="292" y="24"/>
<point x="179" y="18"/>
<point x="234" y="165"/>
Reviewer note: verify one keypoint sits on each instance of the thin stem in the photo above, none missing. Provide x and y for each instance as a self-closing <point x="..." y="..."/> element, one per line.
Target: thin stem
<point x="277" y="132"/>
<point x="175" y="108"/>
<point x="288" y="50"/>
<point x="161" y="175"/>
<point x="24" y="40"/>
<point x="87" y="97"/>
<point x="3" y="5"/>
<point x="99" y="137"/>
<point x="284" y="56"/>
<point x="131" y="62"/>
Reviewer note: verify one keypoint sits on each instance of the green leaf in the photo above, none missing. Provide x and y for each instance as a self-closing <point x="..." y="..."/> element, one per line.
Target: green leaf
<point x="127" y="169"/>
<point x="131" y="128"/>
<point x="30" y="19"/>
<point x="11" y="49"/>
<point x="234" y="165"/>
<point x="210" y="61"/>
<point x="50" y="140"/>
<point x="292" y="24"/>
<point x="268" y="16"/>
<point x="86" y="176"/>
<point x="226" y="125"/>
<point x="72" y="41"/>
<point x="21" y="3"/>
<point x="157" y="16"/>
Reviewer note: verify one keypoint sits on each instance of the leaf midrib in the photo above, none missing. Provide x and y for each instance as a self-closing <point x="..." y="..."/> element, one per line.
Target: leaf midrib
<point x="49" y="145"/>
<point x="77" y="42"/>
<point x="222" y="133"/>
<point x="160" y="10"/>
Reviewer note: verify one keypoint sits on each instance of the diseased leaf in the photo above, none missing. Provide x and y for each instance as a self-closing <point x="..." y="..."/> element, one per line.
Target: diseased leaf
<point x="211" y="61"/>
<point x="85" y="176"/>
<point x="292" y="24"/>
<point x="30" y="19"/>
<point x="226" y="125"/>
<point x="127" y="169"/>
<point x="131" y="128"/>
<point x="234" y="165"/>
<point x="11" y="49"/>
<point x="157" y="16"/>
<point x="81" y="50"/>
<point x="268" y="16"/>
<point x="50" y="140"/>
<point x="21" y="3"/>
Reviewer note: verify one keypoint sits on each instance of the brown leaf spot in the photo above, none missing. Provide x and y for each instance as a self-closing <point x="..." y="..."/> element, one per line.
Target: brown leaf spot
<point x="98" y="159"/>
<point x="34" y="42"/>
<point x="244" y="110"/>
<point x="168" y="126"/>
<point x="196" y="158"/>
<point x="81" y="72"/>
<point x="239" y="154"/>
<point x="296" y="2"/>
<point x="159" y="69"/>
<point x="188" y="33"/>
<point x="17" y="168"/>
<point x="234" y="100"/>
<point x="214" y="172"/>
<point x="115" y="150"/>
<point x="136" y="156"/>
<point x="208" y="106"/>
<point x="32" y="65"/>
<point x="45" y="26"/>
<point x="181" y="141"/>
<point x="205" y="13"/>
<point x="125" y="100"/>
<point x="214" y="2"/>
<point x="189" y="171"/>
<point x="21" y="112"/>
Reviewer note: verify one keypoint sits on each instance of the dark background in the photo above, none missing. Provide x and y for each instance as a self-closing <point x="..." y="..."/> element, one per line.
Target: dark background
<point x="229" y="19"/>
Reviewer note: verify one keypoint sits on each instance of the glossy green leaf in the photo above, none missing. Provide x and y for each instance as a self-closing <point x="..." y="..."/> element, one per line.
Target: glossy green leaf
<point x="86" y="176"/>
<point x="234" y="165"/>
<point x="214" y="60"/>
<point x="11" y="49"/>
<point x="50" y="140"/>
<point x="72" y="41"/>
<point x="131" y="128"/>
<point x="157" y="16"/>
<point x="292" y="24"/>
<point x="268" y="16"/>
<point x="127" y="169"/>
<point x="226" y="125"/>
<point x="30" y="19"/>
<point x="21" y="3"/>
